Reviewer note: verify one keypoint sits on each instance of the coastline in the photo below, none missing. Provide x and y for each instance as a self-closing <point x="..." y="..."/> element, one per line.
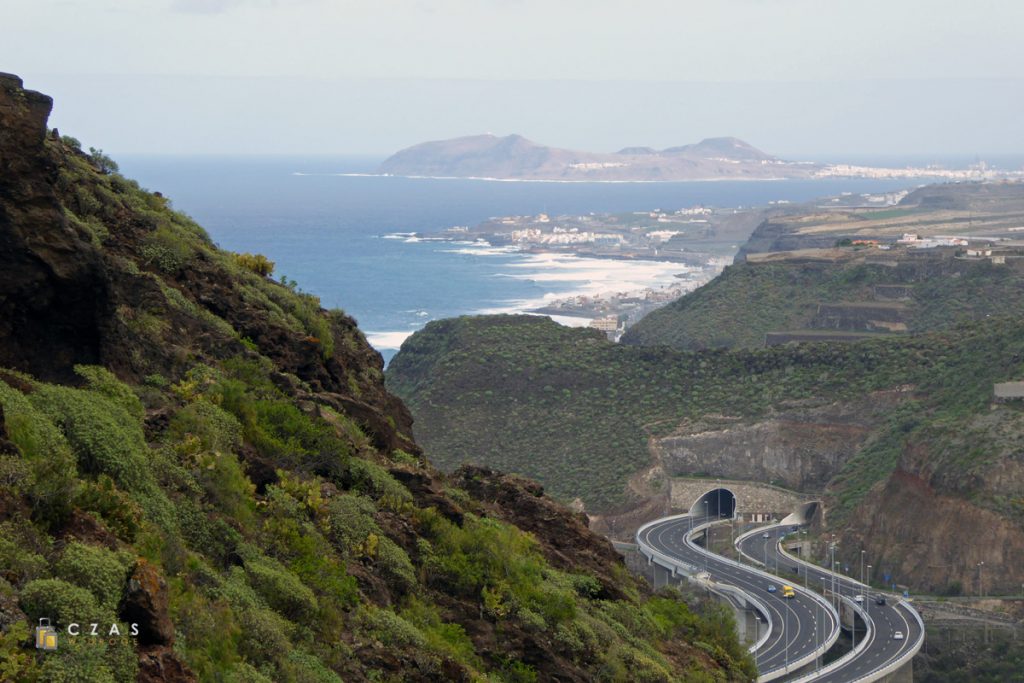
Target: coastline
<point x="567" y="275"/>
<point x="554" y="180"/>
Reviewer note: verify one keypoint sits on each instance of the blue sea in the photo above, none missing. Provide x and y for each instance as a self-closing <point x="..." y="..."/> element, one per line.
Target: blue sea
<point x="347" y="238"/>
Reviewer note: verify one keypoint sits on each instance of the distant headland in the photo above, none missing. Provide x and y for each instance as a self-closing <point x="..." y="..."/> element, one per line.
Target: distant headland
<point x="513" y="157"/>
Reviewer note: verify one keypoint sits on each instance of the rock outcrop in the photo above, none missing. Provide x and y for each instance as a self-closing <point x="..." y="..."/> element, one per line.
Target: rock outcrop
<point x="52" y="286"/>
<point x="800" y="448"/>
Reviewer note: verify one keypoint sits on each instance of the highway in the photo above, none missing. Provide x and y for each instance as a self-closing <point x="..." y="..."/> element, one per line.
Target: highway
<point x="882" y="647"/>
<point x="804" y="626"/>
<point x="800" y="625"/>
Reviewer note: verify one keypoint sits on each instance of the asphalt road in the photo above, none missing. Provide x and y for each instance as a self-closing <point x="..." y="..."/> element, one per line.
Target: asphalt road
<point x="799" y="624"/>
<point x="887" y="619"/>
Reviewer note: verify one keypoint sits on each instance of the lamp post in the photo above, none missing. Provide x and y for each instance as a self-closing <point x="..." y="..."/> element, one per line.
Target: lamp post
<point x="862" y="566"/>
<point x="981" y="586"/>
<point x="707" y="538"/>
<point x="785" y="630"/>
<point x="837" y="585"/>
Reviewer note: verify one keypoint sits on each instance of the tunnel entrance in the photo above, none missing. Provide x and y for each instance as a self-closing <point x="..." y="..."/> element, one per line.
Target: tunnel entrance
<point x="716" y="503"/>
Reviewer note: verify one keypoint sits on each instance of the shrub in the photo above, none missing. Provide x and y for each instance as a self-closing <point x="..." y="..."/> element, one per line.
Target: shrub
<point x="80" y="659"/>
<point x="102" y="381"/>
<point x="374" y="480"/>
<point x="389" y="628"/>
<point x="350" y="522"/>
<point x="41" y="443"/>
<point x="18" y="564"/>
<point x="103" y="435"/>
<point x="242" y="672"/>
<point x="257" y="263"/>
<point x="166" y="249"/>
<point x="119" y="512"/>
<point x="265" y="636"/>
<point x="102" y="161"/>
<point x="101" y="571"/>
<point x="395" y="564"/>
<point x="60" y="601"/>
<point x="302" y="667"/>
<point x="281" y="588"/>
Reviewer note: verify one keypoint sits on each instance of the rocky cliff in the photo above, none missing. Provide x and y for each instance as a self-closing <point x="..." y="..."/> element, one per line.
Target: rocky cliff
<point x="191" y="448"/>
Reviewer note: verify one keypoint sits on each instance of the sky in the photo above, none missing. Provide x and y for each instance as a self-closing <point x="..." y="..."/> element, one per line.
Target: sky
<point x="800" y="78"/>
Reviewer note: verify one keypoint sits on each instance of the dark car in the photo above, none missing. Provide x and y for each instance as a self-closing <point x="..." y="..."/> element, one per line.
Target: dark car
<point x="879" y="599"/>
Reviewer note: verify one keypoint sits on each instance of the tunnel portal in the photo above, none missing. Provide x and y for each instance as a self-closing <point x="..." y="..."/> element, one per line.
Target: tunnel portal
<point x="721" y="503"/>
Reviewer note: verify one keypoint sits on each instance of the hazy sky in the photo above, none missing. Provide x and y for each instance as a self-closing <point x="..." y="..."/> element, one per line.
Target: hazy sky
<point x="797" y="77"/>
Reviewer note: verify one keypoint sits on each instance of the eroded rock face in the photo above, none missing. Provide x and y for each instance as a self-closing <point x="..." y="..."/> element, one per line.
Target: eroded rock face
<point x="930" y="540"/>
<point x="145" y="603"/>
<point x="801" y="448"/>
<point x="161" y="664"/>
<point x="51" y="283"/>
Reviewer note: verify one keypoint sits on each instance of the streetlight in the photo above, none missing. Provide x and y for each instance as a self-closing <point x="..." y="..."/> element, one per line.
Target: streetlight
<point x="707" y="538"/>
<point x="862" y="566"/>
<point x="785" y="629"/>
<point x="981" y="586"/>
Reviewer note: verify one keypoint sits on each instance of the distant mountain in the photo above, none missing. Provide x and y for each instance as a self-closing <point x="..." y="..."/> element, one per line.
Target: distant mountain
<point x="514" y="157"/>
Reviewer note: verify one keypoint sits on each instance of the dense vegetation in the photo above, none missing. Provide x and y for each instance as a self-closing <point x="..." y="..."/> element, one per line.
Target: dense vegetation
<point x="996" y="658"/>
<point x="749" y="299"/>
<point x="575" y="411"/>
<point x="233" y="475"/>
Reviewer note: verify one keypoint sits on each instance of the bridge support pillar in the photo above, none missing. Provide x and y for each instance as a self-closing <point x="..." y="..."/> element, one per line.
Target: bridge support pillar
<point x="905" y="674"/>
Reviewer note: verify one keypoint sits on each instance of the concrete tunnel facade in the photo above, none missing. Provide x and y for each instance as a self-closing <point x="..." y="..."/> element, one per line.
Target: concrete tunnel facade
<point x="721" y="503"/>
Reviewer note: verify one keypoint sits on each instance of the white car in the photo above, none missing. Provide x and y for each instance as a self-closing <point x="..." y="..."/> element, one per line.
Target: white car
<point x="765" y="535"/>
<point x="859" y="599"/>
<point x="898" y="635"/>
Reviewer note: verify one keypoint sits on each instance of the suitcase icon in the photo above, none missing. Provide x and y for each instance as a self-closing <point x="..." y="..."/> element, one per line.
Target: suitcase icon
<point x="46" y="636"/>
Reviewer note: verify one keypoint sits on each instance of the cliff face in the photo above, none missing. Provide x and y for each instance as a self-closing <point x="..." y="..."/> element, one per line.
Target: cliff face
<point x="933" y="522"/>
<point x="189" y="446"/>
<point x="52" y="285"/>
<point x="799" y="448"/>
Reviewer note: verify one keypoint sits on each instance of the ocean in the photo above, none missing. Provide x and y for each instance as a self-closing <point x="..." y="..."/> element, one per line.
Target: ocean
<point x="348" y="238"/>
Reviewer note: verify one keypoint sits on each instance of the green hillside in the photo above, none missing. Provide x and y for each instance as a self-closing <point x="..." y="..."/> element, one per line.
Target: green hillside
<point x="195" y="449"/>
<point x="575" y="411"/>
<point x="751" y="299"/>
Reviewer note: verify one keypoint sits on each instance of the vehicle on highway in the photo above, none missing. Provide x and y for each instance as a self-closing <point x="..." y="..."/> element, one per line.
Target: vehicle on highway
<point x="772" y="588"/>
<point x="898" y="635"/>
<point x="879" y="599"/>
<point x="766" y="535"/>
<point x="859" y="599"/>
<point x="788" y="592"/>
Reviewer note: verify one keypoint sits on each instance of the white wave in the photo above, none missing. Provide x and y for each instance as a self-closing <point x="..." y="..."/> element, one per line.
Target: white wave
<point x="484" y="249"/>
<point x="388" y="340"/>
<point x="584" y="276"/>
<point x="398" y="235"/>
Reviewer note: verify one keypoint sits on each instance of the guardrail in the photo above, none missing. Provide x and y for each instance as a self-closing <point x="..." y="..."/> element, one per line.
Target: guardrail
<point x="674" y="564"/>
<point x="797" y="663"/>
<point x="849" y="656"/>
<point x="875" y="674"/>
<point x="906" y="655"/>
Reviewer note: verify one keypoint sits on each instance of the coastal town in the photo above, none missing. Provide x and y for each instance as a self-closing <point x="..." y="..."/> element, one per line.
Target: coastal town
<point x="701" y="240"/>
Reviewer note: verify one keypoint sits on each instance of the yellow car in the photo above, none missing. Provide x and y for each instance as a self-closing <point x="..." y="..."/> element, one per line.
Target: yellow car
<point x="788" y="592"/>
